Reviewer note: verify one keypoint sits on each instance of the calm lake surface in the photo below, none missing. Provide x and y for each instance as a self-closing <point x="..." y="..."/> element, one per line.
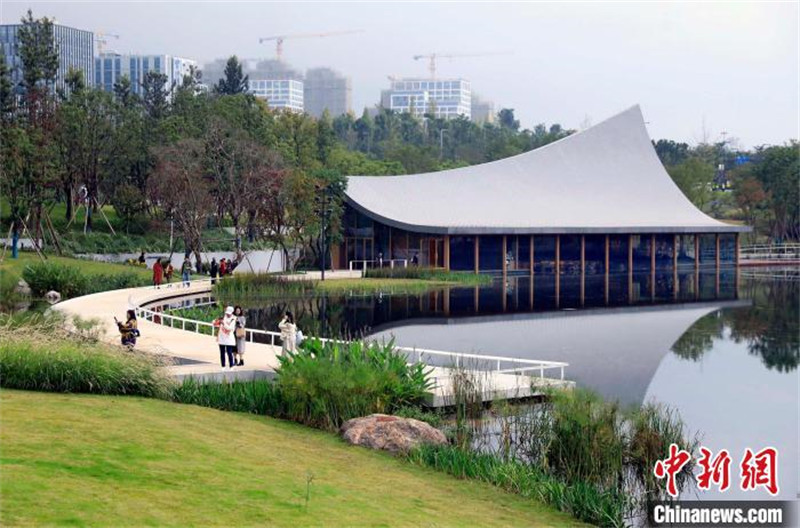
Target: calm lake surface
<point x="722" y="350"/>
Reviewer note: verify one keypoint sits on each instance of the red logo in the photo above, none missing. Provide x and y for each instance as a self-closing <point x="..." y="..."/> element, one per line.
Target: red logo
<point x="760" y="469"/>
<point x="671" y="466"/>
<point x="714" y="470"/>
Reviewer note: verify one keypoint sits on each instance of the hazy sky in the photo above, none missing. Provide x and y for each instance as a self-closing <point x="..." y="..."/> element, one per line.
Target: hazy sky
<point x="693" y="66"/>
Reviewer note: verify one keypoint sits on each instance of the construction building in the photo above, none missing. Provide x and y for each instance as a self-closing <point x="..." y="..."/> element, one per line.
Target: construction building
<point x="326" y="89"/>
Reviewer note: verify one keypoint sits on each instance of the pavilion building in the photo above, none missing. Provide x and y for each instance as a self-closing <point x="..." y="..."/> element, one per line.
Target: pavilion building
<point x="598" y="201"/>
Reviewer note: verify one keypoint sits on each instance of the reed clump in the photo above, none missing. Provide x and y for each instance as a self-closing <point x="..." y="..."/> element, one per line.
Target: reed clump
<point x="37" y="353"/>
<point x="428" y="274"/>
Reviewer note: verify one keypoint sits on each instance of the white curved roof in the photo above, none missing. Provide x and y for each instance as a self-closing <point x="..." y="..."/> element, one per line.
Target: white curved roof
<point x="604" y="179"/>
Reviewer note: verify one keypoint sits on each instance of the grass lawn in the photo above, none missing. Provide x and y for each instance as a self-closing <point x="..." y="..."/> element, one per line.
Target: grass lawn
<point x="123" y="461"/>
<point x="384" y="285"/>
<point x="14" y="267"/>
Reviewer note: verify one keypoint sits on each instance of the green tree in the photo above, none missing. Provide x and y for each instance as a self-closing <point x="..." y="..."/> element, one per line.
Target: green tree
<point x="234" y="82"/>
<point x="694" y="178"/>
<point x="778" y="170"/>
<point x="156" y="95"/>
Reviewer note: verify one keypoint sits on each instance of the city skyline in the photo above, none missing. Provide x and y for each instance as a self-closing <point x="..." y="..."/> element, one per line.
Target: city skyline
<point x="691" y="66"/>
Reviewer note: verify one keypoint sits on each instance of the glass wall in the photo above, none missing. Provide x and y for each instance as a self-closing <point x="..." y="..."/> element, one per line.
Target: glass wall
<point x="544" y="254"/>
<point x="490" y="251"/>
<point x="727" y="249"/>
<point x="686" y="251"/>
<point x="571" y="254"/>
<point x="462" y="253"/>
<point x="618" y="253"/>
<point x="595" y="254"/>
<point x="665" y="247"/>
<point x="522" y="247"/>
<point x="641" y="252"/>
<point x="708" y="250"/>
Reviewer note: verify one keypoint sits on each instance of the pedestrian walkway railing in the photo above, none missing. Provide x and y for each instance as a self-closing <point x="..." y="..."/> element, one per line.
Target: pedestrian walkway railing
<point x="441" y="358"/>
<point x="376" y="263"/>
<point x="770" y="251"/>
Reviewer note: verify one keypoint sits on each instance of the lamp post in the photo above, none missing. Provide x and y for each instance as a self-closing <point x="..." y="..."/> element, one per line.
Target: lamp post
<point x="325" y="189"/>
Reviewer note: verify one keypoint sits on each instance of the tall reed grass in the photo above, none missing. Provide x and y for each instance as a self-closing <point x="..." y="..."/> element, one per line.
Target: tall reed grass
<point x="38" y="354"/>
<point x="70" y="281"/>
<point x="428" y="274"/>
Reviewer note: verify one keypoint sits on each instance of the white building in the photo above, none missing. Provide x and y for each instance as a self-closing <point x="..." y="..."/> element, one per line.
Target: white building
<point x="445" y="98"/>
<point x="109" y="67"/>
<point x="279" y="93"/>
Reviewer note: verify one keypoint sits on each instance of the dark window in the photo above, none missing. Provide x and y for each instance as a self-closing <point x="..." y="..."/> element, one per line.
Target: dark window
<point x="490" y="249"/>
<point x="462" y="253"/>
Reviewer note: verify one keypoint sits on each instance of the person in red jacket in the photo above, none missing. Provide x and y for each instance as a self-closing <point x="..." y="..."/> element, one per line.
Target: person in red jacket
<point x="223" y="267"/>
<point x="158" y="273"/>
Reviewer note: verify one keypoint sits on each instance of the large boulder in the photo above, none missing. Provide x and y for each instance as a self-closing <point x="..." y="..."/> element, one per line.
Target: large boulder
<point x="391" y="433"/>
<point x="22" y="288"/>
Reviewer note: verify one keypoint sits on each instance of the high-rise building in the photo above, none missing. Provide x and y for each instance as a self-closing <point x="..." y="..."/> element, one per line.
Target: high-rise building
<point x="285" y="94"/>
<point x="482" y="110"/>
<point x="280" y="85"/>
<point x="326" y="89"/>
<point x="444" y="98"/>
<point x="109" y="67"/>
<point x="75" y="52"/>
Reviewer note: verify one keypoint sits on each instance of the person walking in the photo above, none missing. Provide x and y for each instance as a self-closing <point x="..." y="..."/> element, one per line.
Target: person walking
<point x="223" y="267"/>
<point x="141" y="258"/>
<point x="158" y="273"/>
<point x="213" y="270"/>
<point x="241" y="335"/>
<point x="226" y="337"/>
<point x="129" y="330"/>
<point x="186" y="271"/>
<point x="288" y="330"/>
<point x="168" y="271"/>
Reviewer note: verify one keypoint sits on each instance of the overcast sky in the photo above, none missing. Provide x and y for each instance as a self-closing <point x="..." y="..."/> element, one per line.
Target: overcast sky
<point x="693" y="67"/>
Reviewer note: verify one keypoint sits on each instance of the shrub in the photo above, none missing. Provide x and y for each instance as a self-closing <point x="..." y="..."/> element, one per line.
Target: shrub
<point x="37" y="354"/>
<point x="70" y="281"/>
<point x="255" y="396"/>
<point x="325" y="384"/>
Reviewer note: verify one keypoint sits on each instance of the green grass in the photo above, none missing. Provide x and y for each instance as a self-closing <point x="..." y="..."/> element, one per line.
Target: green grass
<point x="36" y="353"/>
<point x="14" y="267"/>
<point x="129" y="461"/>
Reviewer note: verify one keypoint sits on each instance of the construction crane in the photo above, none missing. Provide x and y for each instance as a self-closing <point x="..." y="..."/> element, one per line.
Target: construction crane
<point x="433" y="56"/>
<point x="102" y="39"/>
<point x="280" y="38"/>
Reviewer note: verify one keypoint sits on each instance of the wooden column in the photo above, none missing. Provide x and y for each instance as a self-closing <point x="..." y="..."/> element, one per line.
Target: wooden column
<point x="607" y="268"/>
<point x="652" y="266"/>
<point x="516" y="252"/>
<point x="738" y="247"/>
<point x="716" y="243"/>
<point x="675" y="248"/>
<point x="716" y="261"/>
<point x="447" y="252"/>
<point x="583" y="269"/>
<point x="446" y="302"/>
<point x="630" y="268"/>
<point x="477" y="298"/>
<point x="558" y="270"/>
<point x="477" y="254"/>
<point x="736" y="277"/>
<point x="530" y="300"/>
<point x="696" y="266"/>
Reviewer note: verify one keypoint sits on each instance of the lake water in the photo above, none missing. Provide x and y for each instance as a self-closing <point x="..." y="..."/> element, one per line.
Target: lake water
<point x="723" y="350"/>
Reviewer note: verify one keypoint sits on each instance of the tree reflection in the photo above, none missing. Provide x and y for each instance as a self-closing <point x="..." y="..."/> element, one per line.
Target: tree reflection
<point x="770" y="326"/>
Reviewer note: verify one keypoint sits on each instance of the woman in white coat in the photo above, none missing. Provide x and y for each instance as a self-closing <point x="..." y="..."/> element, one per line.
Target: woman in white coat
<point x="226" y="336"/>
<point x="288" y="330"/>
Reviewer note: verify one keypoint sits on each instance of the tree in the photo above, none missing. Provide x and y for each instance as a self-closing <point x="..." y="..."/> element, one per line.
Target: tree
<point x="694" y="178"/>
<point x="234" y="82"/>
<point x="506" y="119"/>
<point x="84" y="138"/>
<point x="181" y="190"/>
<point x="671" y="152"/>
<point x="156" y="95"/>
<point x="778" y="170"/>
<point x="749" y="195"/>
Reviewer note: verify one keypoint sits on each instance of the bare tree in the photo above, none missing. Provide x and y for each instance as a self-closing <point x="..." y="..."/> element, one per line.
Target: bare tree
<point x="180" y="188"/>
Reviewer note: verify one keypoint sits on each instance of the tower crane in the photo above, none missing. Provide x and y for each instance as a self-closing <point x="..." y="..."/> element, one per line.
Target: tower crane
<point x="280" y="38"/>
<point x="433" y="56"/>
<point x="102" y="39"/>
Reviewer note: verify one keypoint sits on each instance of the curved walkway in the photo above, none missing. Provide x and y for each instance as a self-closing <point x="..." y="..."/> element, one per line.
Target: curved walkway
<point x="198" y="354"/>
<point x="201" y="350"/>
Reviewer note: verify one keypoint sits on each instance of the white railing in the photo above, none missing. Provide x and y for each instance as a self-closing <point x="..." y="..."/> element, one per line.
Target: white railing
<point x="458" y="359"/>
<point x="375" y="263"/>
<point x="770" y="251"/>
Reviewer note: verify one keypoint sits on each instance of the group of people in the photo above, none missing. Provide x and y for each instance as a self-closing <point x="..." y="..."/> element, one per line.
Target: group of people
<point x="162" y="269"/>
<point x="231" y="337"/>
<point x="224" y="267"/>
